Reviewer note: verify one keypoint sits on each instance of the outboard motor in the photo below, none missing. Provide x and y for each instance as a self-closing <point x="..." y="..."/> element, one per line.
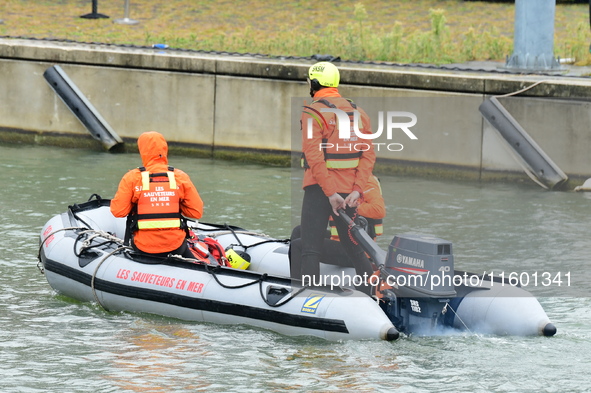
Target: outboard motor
<point x="420" y="270"/>
<point x="422" y="294"/>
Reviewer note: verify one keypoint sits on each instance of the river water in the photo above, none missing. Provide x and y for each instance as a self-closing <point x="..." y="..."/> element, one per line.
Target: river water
<point x="49" y="343"/>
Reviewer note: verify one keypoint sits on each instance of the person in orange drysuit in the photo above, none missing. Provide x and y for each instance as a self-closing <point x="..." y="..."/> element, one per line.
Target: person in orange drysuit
<point x="336" y="171"/>
<point x="156" y="197"/>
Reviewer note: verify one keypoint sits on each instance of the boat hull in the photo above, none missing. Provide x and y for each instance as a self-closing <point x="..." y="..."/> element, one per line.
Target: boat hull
<point x="200" y="292"/>
<point x="83" y="258"/>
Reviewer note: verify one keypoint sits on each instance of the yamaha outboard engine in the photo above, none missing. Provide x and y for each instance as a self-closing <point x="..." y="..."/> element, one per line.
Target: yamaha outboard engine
<point x="420" y="269"/>
<point x="423" y="295"/>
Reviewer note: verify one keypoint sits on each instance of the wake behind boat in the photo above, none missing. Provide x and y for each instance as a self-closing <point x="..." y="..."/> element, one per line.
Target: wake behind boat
<point x="83" y="257"/>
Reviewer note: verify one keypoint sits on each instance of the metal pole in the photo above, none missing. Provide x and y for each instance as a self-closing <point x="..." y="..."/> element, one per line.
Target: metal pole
<point x="126" y="20"/>
<point x="534" y="36"/>
<point x="94" y="14"/>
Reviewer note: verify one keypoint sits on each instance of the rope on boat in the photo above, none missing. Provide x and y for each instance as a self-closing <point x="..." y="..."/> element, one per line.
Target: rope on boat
<point x="39" y="265"/>
<point x="92" y="280"/>
<point x="444" y="310"/>
<point x="260" y="281"/>
<point x="263" y="277"/>
<point x="87" y="243"/>
<point x="230" y="230"/>
<point x="212" y="270"/>
<point x="269" y="241"/>
<point x="285" y="241"/>
<point x="279" y="304"/>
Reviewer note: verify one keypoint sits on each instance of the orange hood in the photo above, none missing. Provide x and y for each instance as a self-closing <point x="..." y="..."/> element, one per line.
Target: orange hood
<point x="153" y="148"/>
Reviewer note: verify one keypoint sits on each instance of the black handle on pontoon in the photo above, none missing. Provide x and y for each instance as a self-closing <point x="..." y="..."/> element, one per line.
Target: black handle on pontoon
<point x="364" y="240"/>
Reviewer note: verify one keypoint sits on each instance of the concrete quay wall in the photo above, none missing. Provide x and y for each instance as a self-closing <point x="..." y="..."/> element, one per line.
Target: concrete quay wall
<point x="234" y="106"/>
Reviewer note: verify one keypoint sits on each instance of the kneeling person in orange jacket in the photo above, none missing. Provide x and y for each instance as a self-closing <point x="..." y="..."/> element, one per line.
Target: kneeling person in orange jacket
<point x="156" y="197"/>
<point x="372" y="208"/>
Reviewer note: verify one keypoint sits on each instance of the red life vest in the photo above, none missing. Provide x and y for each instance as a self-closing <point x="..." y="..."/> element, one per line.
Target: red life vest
<point x="158" y="205"/>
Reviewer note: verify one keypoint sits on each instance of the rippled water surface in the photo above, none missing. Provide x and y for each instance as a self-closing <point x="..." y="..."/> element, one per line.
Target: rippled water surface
<point x="49" y="343"/>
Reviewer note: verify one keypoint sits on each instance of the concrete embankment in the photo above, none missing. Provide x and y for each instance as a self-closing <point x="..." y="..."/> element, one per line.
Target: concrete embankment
<point x="247" y="107"/>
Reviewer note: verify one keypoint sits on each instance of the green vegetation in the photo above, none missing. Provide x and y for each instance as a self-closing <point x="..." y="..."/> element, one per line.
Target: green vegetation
<point x="405" y="31"/>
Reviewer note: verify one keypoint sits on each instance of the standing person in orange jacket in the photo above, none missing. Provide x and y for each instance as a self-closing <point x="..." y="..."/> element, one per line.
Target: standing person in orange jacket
<point x="336" y="170"/>
<point x="156" y="197"/>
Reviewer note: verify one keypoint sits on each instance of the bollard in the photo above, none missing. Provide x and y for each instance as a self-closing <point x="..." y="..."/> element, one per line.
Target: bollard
<point x="94" y="14"/>
<point x="534" y="36"/>
<point x="126" y="20"/>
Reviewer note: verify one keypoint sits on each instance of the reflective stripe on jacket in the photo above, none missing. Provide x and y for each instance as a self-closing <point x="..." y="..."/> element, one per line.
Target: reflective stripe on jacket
<point x="337" y="165"/>
<point x="336" y="154"/>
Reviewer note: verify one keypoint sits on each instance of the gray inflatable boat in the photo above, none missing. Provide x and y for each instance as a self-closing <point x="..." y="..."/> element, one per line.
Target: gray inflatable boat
<point x="417" y="290"/>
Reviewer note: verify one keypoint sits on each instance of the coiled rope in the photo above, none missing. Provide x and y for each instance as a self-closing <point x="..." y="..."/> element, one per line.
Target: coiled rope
<point x="93" y="234"/>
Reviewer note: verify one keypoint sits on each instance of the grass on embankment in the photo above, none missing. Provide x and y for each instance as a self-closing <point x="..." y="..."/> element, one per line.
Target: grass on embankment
<point x="404" y="31"/>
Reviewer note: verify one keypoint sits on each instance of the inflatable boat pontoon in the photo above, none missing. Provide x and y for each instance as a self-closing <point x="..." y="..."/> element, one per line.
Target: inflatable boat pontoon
<point x="83" y="257"/>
